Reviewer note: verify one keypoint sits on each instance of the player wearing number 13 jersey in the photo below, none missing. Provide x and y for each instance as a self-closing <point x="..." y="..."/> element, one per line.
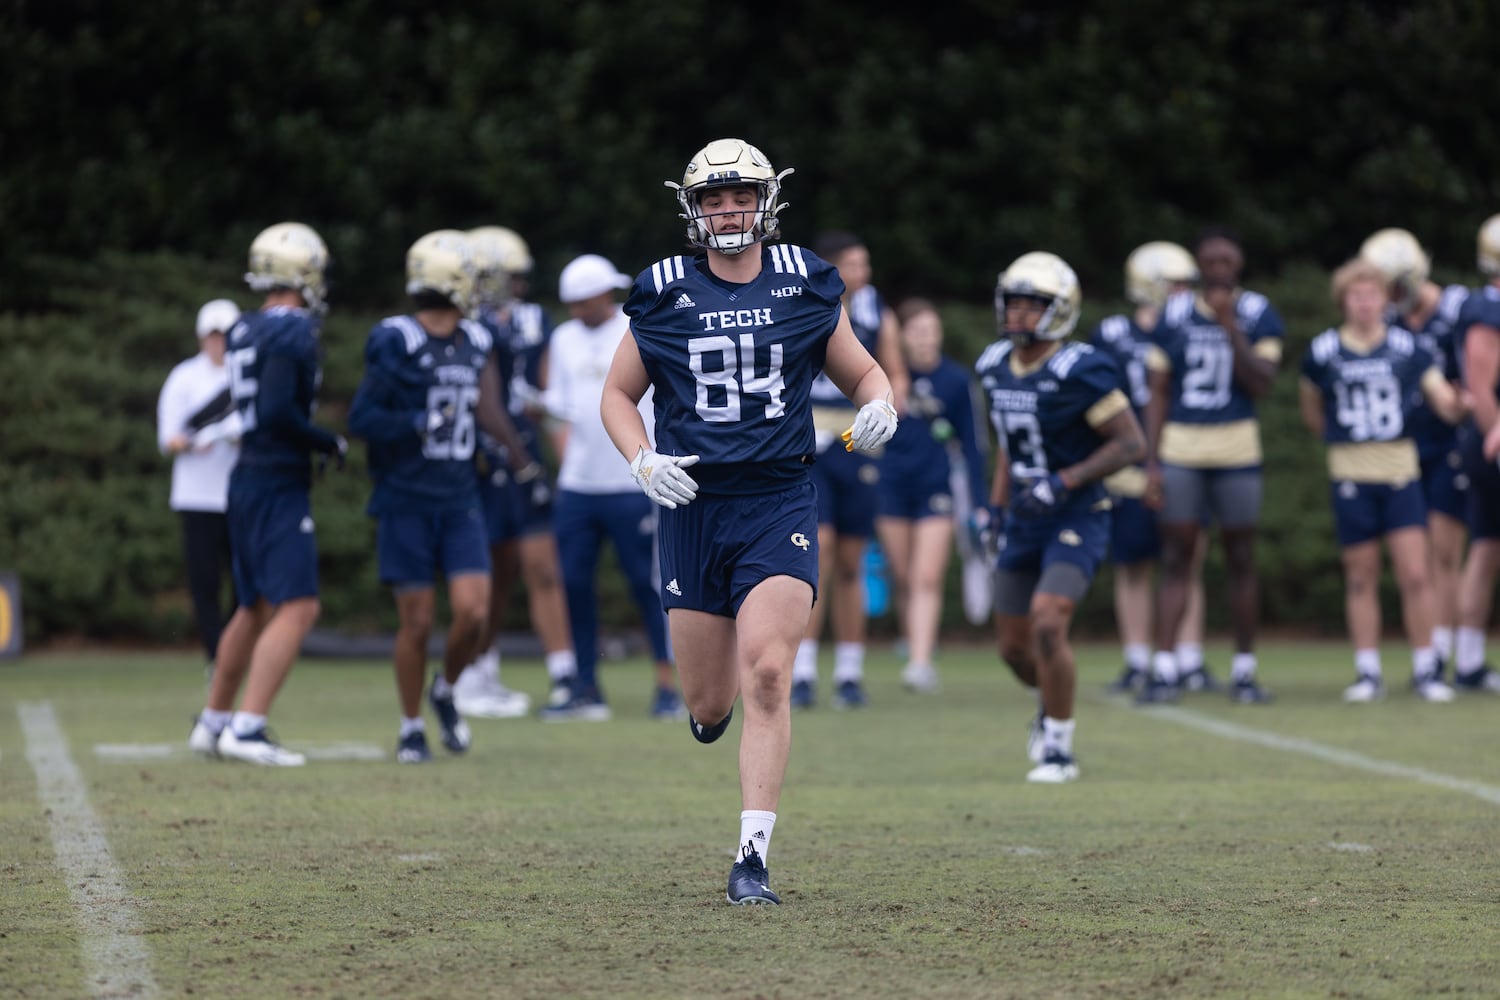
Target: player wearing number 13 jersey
<point x="729" y="341"/>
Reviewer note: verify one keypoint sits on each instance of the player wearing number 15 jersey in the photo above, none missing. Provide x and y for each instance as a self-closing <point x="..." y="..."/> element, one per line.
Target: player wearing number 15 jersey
<point x="430" y="378"/>
<point x="1216" y="353"/>
<point x="1064" y="424"/>
<point x="1360" y="384"/>
<point x="729" y="341"/>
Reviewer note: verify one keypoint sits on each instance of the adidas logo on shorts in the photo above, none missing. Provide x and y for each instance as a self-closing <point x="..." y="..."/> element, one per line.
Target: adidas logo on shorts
<point x="673" y="589"/>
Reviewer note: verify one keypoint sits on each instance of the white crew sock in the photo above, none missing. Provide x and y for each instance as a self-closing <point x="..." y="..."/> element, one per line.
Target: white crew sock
<point x="755" y="828"/>
<point x="1057" y="734"/>
<point x="245" y="723"/>
<point x="1189" y="657"/>
<point x="1423" y="663"/>
<point x="805" y="666"/>
<point x="1442" y="642"/>
<point x="561" y="664"/>
<point x="1137" y="655"/>
<point x="848" y="662"/>
<point x="214" y="720"/>
<point x="1242" y="667"/>
<point x="409" y="726"/>
<point x="1468" y="650"/>
<point x="441" y="688"/>
<point x="1367" y="663"/>
<point x="1164" y="666"/>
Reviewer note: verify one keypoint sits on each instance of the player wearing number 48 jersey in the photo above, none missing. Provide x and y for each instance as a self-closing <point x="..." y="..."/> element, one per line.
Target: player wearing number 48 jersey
<point x="1216" y="352"/>
<point x="1064" y="423"/>
<point x="729" y="341"/>
<point x="430" y="381"/>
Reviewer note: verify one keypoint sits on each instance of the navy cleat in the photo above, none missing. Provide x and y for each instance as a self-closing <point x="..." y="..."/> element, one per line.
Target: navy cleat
<point x="412" y="748"/>
<point x="1246" y="692"/>
<point x="749" y="882"/>
<point x="1199" y="679"/>
<point x="1157" y="691"/>
<point x="707" y="734"/>
<point x="849" y="694"/>
<point x="1484" y="679"/>
<point x="804" y="695"/>
<point x="666" y="705"/>
<point x="1130" y="681"/>
<point x="455" y="729"/>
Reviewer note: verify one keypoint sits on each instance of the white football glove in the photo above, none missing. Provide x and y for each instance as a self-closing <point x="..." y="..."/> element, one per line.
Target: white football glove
<point x="873" y="426"/>
<point x="662" y="479"/>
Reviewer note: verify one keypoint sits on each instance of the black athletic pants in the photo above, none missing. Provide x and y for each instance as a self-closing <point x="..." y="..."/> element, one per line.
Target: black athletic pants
<point x="205" y="547"/>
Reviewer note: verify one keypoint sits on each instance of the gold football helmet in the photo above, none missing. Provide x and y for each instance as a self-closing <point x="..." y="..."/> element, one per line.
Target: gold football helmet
<point x="1489" y="246"/>
<point x="730" y="163"/>
<point x="493" y="246"/>
<point x="1153" y="268"/>
<point x="1046" y="276"/>
<point x="442" y="262"/>
<point x="290" y="255"/>
<point x="1403" y="262"/>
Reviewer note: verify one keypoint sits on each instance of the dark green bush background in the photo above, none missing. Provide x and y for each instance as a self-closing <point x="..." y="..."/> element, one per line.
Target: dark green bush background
<point x="143" y="145"/>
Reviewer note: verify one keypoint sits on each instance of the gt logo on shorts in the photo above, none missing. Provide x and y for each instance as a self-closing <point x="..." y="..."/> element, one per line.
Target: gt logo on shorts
<point x="1069" y="537"/>
<point x="800" y="540"/>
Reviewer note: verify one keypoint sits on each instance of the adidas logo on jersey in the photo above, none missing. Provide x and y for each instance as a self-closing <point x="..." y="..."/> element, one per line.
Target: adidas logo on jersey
<point x="673" y="589"/>
<point x="683" y="302"/>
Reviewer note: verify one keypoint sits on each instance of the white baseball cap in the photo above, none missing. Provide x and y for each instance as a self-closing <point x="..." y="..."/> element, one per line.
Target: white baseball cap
<point x="588" y="276"/>
<point x="219" y="314"/>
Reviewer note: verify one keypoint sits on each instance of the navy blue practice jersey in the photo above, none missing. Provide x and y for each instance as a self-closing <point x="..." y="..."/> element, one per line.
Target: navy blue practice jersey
<point x="866" y="308"/>
<point x="1434" y="435"/>
<point x="732" y="364"/>
<point x="940" y="407"/>
<point x="1201" y="360"/>
<point x="1481" y="308"/>
<point x="415" y="381"/>
<point x="1046" y="413"/>
<point x="511" y="353"/>
<point x="1367" y="395"/>
<point x="1121" y="338"/>
<point x="274" y="373"/>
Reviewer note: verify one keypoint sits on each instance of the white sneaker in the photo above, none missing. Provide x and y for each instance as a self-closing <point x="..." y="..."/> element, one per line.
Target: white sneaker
<point x="920" y="677"/>
<point x="1431" y="689"/>
<point x="257" y="748"/>
<point x="494" y="701"/>
<point x="1368" y="688"/>
<point x="203" y="741"/>
<point x="1056" y="768"/>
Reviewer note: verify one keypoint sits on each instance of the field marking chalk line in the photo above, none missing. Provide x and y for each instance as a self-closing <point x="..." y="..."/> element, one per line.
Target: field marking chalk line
<point x="116" y="960"/>
<point x="1320" y="751"/>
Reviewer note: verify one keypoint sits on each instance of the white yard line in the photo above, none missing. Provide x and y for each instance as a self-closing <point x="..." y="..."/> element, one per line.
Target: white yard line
<point x="116" y="961"/>
<point x="1333" y="755"/>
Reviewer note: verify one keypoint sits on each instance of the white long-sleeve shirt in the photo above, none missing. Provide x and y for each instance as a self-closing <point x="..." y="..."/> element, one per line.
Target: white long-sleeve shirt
<point x="578" y="358"/>
<point x="200" y="475"/>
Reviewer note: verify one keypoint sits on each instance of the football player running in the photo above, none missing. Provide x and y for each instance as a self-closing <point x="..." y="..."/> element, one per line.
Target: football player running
<point x="1153" y="272"/>
<point x="729" y="340"/>
<point x="1064" y="424"/>
<point x="1357" y="379"/>
<point x="274" y="373"/>
<point x="430" y="383"/>
<point x="1429" y="310"/>
<point x="847" y="486"/>
<point x="1216" y="353"/>
<point x="1477" y="334"/>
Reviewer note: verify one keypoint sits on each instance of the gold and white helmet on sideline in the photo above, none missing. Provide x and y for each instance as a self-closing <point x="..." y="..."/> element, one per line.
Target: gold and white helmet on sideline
<point x="290" y="255"/>
<point x="1045" y="276"/>
<point x="1489" y="246"/>
<point x="1402" y="260"/>
<point x="442" y="263"/>
<point x="1153" y="268"/>
<point x="492" y="250"/>
<point x="730" y="163"/>
<point x="515" y="255"/>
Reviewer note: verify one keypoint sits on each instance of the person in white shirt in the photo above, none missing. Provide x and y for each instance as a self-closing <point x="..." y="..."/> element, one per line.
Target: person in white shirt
<point x="598" y="496"/>
<point x="197" y="426"/>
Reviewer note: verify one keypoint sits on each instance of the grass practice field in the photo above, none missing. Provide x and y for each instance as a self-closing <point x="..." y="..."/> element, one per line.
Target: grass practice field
<point x="1302" y="849"/>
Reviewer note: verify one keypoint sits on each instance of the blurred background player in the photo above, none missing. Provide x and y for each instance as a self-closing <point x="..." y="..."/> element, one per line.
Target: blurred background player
<point x="518" y="514"/>
<point x="1428" y="310"/>
<point x="1358" y="381"/>
<point x="274" y="372"/>
<point x="430" y="381"/>
<point x="846" y="482"/>
<point x="915" y="501"/>
<point x="1153" y="272"/>
<point x="1064" y="423"/>
<point x="741" y="560"/>
<point x="1214" y="354"/>
<point x="598" y="497"/>
<point x="203" y="452"/>
<point x="1477" y="336"/>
